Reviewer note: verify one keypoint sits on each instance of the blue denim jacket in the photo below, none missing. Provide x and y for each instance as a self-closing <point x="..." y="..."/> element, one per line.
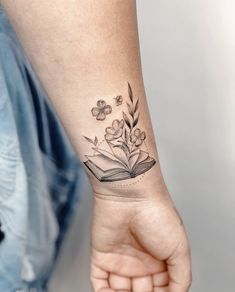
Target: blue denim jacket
<point x="39" y="173"/>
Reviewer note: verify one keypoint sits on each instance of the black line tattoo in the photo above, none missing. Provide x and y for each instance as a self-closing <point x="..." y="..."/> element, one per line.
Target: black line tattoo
<point x="126" y="159"/>
<point x="101" y="110"/>
<point x="118" y="100"/>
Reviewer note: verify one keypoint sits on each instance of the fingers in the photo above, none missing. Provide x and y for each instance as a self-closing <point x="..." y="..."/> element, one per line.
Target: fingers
<point x="160" y="289"/>
<point x="119" y="283"/>
<point x="179" y="269"/>
<point x="99" y="280"/>
<point x="103" y="281"/>
<point x="100" y="285"/>
<point x="141" y="284"/>
<point x="138" y="284"/>
<point x="161" y="279"/>
<point x="160" y="282"/>
<point x="175" y="278"/>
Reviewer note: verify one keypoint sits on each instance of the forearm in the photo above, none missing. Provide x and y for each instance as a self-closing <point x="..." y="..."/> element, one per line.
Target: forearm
<point x="85" y="54"/>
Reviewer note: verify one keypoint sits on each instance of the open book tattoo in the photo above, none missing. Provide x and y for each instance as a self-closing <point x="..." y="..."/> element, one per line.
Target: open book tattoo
<point x="125" y="157"/>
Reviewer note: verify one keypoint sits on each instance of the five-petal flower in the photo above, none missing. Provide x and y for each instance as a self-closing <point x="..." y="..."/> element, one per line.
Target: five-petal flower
<point x="118" y="100"/>
<point x="115" y="131"/>
<point x="138" y="137"/>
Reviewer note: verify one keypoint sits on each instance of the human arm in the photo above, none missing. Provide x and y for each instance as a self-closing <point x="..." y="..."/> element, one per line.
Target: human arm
<point x="85" y="54"/>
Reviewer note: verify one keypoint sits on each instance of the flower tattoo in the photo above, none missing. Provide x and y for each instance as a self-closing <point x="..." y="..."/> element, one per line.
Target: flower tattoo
<point x="122" y="153"/>
<point x="138" y="137"/>
<point x="115" y="131"/>
<point x="101" y="110"/>
<point x="118" y="100"/>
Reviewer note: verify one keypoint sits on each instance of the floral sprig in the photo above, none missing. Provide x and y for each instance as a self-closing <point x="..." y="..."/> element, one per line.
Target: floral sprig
<point x="133" y="107"/>
<point x="122" y="134"/>
<point x="94" y="142"/>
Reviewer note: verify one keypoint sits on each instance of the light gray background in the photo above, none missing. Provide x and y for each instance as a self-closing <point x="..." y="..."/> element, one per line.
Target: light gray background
<point x="188" y="56"/>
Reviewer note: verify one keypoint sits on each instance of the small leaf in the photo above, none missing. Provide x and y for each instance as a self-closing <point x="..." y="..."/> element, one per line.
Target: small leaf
<point x="136" y="106"/>
<point x="126" y="135"/>
<point x="130" y="92"/>
<point x="117" y="146"/>
<point x="95" y="141"/>
<point x="127" y="120"/>
<point x="136" y="121"/>
<point x="89" y="140"/>
<point x="130" y="109"/>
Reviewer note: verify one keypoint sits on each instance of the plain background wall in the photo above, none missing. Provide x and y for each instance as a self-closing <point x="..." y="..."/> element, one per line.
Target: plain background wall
<point x="188" y="57"/>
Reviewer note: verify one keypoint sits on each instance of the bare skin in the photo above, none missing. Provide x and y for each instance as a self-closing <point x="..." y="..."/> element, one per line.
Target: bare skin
<point x="142" y="247"/>
<point x="85" y="52"/>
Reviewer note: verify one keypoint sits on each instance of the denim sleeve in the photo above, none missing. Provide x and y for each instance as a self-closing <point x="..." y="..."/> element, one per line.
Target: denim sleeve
<point x="39" y="173"/>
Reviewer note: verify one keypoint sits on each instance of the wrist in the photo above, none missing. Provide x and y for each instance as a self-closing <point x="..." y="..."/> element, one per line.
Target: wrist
<point x="148" y="186"/>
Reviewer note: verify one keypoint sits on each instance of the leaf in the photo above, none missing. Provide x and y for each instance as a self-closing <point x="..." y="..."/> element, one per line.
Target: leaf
<point x="130" y="109"/>
<point x="136" y="121"/>
<point x="126" y="135"/>
<point x="136" y="106"/>
<point x="127" y="120"/>
<point x="130" y="92"/>
<point x="95" y="141"/>
<point x="89" y="140"/>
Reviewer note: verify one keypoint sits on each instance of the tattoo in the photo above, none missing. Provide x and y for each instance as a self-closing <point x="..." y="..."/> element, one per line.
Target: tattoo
<point x="101" y="110"/>
<point x="125" y="157"/>
<point x="118" y="100"/>
<point x="95" y="142"/>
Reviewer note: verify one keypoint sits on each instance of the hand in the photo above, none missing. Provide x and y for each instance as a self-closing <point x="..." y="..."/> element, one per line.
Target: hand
<point x="139" y="245"/>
